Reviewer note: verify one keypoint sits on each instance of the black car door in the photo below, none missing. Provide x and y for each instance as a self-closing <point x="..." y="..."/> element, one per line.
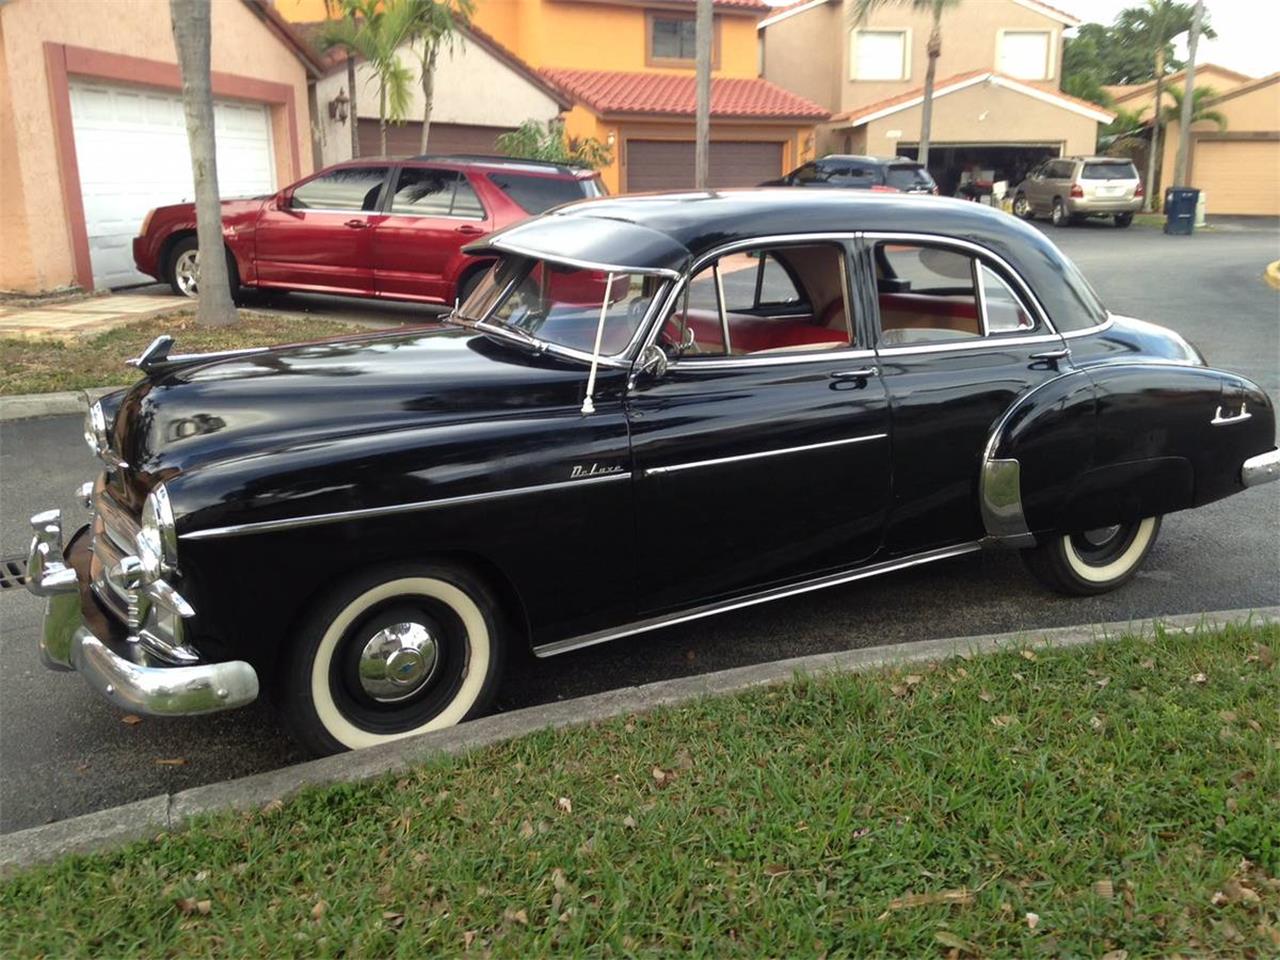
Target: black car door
<point x="761" y="455"/>
<point x="959" y="337"/>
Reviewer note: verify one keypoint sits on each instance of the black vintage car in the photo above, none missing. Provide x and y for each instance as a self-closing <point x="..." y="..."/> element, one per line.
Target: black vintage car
<point x="653" y="409"/>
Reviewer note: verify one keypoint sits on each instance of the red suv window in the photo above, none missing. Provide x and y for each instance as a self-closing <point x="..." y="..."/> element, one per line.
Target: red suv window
<point x="537" y="194"/>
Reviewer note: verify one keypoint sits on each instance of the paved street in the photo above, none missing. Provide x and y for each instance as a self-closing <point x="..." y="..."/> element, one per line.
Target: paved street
<point x="64" y="752"/>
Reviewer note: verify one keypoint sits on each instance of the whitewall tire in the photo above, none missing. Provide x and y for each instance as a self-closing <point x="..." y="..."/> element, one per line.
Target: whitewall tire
<point x="392" y="654"/>
<point x="1093" y="561"/>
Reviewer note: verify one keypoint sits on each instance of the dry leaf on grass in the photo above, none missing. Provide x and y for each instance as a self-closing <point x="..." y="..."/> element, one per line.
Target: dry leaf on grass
<point x="1028" y="655"/>
<point x="629" y="822"/>
<point x="517" y="916"/>
<point x="271" y="806"/>
<point x="961" y="896"/>
<point x="189" y="906"/>
<point x="1003" y="720"/>
<point x="171" y="761"/>
<point x="393" y="918"/>
<point x="526" y="829"/>
<point x="132" y="719"/>
<point x="1201" y="678"/>
<point x="663" y="777"/>
<point x="1116" y="955"/>
<point x="986" y="696"/>
<point x="775" y="870"/>
<point x="1104" y="888"/>
<point x="564" y="805"/>
<point x="318" y="910"/>
<point x="558" y="879"/>
<point x="468" y="938"/>
<point x="1033" y="920"/>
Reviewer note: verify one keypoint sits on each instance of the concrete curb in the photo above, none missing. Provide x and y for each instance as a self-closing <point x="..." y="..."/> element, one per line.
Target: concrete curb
<point x="169" y="813"/>
<point x="27" y="406"/>
<point x="1272" y="274"/>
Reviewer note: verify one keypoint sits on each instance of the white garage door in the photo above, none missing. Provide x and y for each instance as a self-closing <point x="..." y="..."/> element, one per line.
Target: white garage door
<point x="131" y="147"/>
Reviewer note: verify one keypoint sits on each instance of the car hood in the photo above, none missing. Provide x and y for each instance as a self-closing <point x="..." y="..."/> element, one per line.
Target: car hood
<point x="277" y="399"/>
<point x="230" y="208"/>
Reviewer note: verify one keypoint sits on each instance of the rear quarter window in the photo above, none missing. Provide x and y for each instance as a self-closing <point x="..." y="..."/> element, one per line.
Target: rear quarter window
<point x="535" y="194"/>
<point x="905" y="176"/>
<point x="1108" y="171"/>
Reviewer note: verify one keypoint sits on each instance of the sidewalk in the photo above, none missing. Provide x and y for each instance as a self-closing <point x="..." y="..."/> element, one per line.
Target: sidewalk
<point x="63" y="321"/>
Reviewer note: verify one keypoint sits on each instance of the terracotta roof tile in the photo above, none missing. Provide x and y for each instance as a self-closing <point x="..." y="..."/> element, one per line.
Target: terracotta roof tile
<point x="606" y="91"/>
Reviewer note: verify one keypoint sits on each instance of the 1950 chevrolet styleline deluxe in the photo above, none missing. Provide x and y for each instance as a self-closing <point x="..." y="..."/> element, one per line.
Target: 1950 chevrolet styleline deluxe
<point x="652" y="409"/>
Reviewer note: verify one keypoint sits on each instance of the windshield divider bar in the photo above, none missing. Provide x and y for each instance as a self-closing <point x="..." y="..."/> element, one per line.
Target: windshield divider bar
<point x="588" y="405"/>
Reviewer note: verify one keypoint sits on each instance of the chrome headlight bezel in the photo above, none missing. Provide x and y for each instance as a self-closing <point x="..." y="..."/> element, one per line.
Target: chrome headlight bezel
<point x="158" y="537"/>
<point x="95" y="429"/>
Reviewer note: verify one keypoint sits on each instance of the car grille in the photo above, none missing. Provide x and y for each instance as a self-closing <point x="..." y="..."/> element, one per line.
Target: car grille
<point x="115" y="533"/>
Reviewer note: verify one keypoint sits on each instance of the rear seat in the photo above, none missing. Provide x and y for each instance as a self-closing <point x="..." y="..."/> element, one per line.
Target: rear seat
<point x="748" y="334"/>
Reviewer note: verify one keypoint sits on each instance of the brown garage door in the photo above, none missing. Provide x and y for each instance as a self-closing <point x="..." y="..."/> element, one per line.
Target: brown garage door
<point x="403" y="140"/>
<point x="668" y="164"/>
<point x="1238" y="176"/>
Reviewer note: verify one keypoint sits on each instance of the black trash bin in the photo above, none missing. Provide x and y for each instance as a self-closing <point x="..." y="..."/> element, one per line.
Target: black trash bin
<point x="1180" y="210"/>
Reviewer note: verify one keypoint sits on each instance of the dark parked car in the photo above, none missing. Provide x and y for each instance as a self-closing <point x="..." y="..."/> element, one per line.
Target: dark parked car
<point x="393" y="229"/>
<point x="652" y="409"/>
<point x="899" y="174"/>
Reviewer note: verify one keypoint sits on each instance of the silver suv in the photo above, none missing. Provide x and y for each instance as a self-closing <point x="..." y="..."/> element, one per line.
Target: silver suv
<point x="1068" y="188"/>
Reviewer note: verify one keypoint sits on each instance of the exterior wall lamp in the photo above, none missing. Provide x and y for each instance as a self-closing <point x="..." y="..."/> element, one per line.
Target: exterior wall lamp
<point x="339" y="107"/>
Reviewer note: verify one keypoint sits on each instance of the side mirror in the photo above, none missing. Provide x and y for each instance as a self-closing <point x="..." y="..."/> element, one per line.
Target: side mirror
<point x="285" y="200"/>
<point x="650" y="365"/>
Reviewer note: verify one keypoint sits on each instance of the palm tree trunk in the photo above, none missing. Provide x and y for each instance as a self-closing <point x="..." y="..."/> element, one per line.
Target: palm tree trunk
<point x="382" y="118"/>
<point x="191" y="34"/>
<point x="1188" y="99"/>
<point x="428" y="92"/>
<point x="1149" y="203"/>
<point x="703" y="29"/>
<point x="926" y="108"/>
<point x="354" y="115"/>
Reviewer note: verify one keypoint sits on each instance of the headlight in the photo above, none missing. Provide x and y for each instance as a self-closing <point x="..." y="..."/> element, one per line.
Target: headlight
<point x="158" y="538"/>
<point x="95" y="429"/>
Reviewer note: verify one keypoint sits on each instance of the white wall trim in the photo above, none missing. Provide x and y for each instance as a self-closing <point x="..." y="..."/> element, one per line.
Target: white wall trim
<point x="1059" y="15"/>
<point x="779" y="17"/>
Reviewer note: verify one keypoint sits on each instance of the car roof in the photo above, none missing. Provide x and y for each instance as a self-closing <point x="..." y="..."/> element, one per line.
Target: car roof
<point x="482" y="161"/>
<point x="867" y="158"/>
<point x="663" y="233"/>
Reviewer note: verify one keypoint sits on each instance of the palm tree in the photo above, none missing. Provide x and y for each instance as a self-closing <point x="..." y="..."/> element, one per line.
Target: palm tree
<point x="1199" y="107"/>
<point x="1154" y="25"/>
<point x="374" y="31"/>
<point x="864" y="8"/>
<point x="191" y="35"/>
<point x="436" y="24"/>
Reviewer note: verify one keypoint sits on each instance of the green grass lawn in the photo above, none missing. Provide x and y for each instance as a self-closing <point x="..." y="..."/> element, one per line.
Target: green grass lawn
<point x="98" y="360"/>
<point x="1124" y="797"/>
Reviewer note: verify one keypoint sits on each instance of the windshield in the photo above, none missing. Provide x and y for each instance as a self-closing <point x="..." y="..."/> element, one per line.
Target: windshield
<point x="1108" y="171"/>
<point x="905" y="176"/>
<point x="560" y="305"/>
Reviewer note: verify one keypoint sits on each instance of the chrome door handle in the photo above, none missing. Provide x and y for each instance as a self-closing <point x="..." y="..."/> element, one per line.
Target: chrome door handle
<point x="863" y="374"/>
<point x="1051" y="354"/>
<point x="1219" y="420"/>
<point x="356" y="224"/>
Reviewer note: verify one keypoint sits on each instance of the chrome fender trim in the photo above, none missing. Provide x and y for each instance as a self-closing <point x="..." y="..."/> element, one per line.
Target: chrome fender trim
<point x="1000" y="493"/>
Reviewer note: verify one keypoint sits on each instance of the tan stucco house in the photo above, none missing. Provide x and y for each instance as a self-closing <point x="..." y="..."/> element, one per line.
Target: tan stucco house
<point x="1141" y="97"/>
<point x="92" y="133"/>
<point x="1237" y="167"/>
<point x="997" y="103"/>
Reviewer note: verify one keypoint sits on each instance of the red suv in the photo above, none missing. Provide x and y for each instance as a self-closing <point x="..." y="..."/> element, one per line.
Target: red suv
<point x="367" y="228"/>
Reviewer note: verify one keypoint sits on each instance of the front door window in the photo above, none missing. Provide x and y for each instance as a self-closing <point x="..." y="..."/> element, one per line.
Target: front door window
<point x="348" y="188"/>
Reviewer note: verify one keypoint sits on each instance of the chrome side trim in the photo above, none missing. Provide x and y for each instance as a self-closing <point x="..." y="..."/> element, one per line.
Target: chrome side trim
<point x="1264" y="468"/>
<point x="696" y="464"/>
<point x="992" y="342"/>
<point x="339" y="516"/>
<point x="1000" y="497"/>
<point x="765" y="596"/>
<point x="1088" y="331"/>
<point x="768" y="359"/>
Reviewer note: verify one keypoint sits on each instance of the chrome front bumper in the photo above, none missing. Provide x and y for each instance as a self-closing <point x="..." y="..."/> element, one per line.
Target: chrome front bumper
<point x="1263" y="468"/>
<point x="131" y="682"/>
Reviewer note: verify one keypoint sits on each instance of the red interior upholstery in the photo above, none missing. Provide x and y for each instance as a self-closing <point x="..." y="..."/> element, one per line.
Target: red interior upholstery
<point x="925" y="311"/>
<point x="748" y="334"/>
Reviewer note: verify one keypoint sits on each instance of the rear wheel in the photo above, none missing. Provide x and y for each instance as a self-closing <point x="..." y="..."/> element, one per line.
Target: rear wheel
<point x="1123" y="219"/>
<point x="392" y="653"/>
<point x="1022" y="207"/>
<point x="1093" y="561"/>
<point x="1059" y="214"/>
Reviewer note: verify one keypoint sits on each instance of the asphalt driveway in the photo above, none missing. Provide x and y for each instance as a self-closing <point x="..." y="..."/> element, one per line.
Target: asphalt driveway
<point x="64" y="752"/>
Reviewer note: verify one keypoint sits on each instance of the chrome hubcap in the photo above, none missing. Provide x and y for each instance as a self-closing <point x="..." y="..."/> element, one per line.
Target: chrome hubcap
<point x="398" y="661"/>
<point x="1101" y="536"/>
<point x="187" y="272"/>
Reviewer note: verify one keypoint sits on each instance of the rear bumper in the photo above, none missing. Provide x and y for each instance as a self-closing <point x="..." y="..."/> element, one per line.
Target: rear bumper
<point x="1263" y="468"/>
<point x="117" y="667"/>
<point x="1086" y="207"/>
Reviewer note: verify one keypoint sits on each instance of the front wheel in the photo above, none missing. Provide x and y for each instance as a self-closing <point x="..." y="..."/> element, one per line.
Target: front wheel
<point x="1093" y="561"/>
<point x="183" y="269"/>
<point x="391" y="653"/>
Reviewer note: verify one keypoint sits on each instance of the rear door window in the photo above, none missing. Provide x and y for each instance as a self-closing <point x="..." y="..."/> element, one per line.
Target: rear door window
<point x="429" y="192"/>
<point x="344" y="189"/>
<point x="536" y="194"/>
<point x="1109" y="171"/>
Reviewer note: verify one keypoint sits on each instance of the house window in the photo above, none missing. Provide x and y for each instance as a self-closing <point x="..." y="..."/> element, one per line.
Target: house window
<point x="880" y="54"/>
<point x="1024" y="54"/>
<point x="672" y="40"/>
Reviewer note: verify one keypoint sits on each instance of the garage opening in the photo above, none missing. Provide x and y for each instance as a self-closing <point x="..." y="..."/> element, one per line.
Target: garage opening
<point x="668" y="164"/>
<point x="984" y="163"/>
<point x="132" y="154"/>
